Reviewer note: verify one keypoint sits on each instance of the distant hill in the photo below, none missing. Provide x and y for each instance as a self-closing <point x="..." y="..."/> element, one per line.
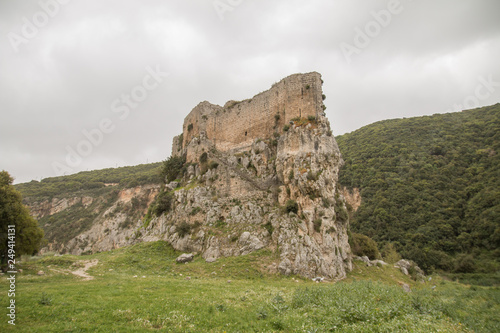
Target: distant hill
<point x="91" y="181"/>
<point x="431" y="186"/>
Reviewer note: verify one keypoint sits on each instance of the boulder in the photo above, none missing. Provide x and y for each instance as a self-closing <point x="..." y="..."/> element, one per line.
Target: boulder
<point x="185" y="257"/>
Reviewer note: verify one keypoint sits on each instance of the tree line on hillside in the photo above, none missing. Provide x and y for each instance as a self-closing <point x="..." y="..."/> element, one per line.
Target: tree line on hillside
<point x="130" y="176"/>
<point x="430" y="186"/>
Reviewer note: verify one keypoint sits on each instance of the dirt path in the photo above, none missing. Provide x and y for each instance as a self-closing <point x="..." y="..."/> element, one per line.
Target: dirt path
<point x="82" y="271"/>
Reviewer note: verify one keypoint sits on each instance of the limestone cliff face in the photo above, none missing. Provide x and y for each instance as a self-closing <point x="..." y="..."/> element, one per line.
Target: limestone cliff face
<point x="112" y="220"/>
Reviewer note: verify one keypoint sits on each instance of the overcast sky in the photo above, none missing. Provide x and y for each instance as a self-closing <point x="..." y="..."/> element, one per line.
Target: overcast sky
<point x="102" y="83"/>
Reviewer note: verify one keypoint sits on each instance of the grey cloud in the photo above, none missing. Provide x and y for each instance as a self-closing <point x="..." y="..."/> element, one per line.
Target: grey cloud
<point x="64" y="80"/>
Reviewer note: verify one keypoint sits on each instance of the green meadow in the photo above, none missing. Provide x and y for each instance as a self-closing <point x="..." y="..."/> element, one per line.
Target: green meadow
<point x="142" y="289"/>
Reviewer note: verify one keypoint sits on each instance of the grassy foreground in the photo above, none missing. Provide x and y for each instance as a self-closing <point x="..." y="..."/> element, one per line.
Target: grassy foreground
<point x="142" y="289"/>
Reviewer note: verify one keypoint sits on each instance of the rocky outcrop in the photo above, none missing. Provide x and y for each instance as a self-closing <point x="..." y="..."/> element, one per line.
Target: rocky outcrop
<point x="117" y="218"/>
<point x="245" y="203"/>
<point x="57" y="205"/>
<point x="249" y="184"/>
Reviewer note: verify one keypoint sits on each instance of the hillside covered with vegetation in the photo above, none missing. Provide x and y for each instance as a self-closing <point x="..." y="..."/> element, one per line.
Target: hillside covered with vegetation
<point x="431" y="187"/>
<point x="129" y="176"/>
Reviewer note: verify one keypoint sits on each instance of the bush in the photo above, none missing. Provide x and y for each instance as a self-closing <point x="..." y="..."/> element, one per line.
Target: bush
<point x="311" y="118"/>
<point x="183" y="229"/>
<point x="291" y="206"/>
<point x="286" y="128"/>
<point x="203" y="157"/>
<point x="213" y="165"/>
<point x="172" y="167"/>
<point x="465" y="264"/>
<point x="190" y="127"/>
<point x="317" y="225"/>
<point x="363" y="245"/>
<point x="269" y="227"/>
<point x="163" y="203"/>
<point x="390" y="254"/>
<point x="340" y="212"/>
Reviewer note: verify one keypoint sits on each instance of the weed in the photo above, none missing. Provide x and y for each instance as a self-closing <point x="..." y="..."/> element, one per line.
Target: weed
<point x="45" y="299"/>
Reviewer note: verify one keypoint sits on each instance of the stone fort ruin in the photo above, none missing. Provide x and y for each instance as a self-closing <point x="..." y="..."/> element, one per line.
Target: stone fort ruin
<point x="236" y="125"/>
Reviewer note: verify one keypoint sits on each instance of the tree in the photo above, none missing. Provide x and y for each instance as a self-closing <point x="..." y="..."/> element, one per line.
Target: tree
<point x="28" y="235"/>
<point x="172" y="168"/>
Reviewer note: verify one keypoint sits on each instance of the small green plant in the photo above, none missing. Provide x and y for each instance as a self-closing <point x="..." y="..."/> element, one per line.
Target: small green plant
<point x="269" y="227"/>
<point x="261" y="314"/>
<point x="323" y="107"/>
<point x="323" y="96"/>
<point x="277" y="117"/>
<point x="195" y="211"/>
<point x="286" y="128"/>
<point x="317" y="225"/>
<point x="213" y="165"/>
<point x="45" y="299"/>
<point x="291" y="175"/>
<point x="190" y="127"/>
<point x="220" y="224"/>
<point x="307" y="87"/>
<point x="291" y="206"/>
<point x="311" y="118"/>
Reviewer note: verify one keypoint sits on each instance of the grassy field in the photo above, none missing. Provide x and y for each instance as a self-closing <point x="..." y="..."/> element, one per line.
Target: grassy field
<point x="142" y="289"/>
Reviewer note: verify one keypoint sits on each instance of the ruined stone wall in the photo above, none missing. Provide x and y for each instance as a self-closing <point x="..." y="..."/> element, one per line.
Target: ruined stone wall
<point x="238" y="124"/>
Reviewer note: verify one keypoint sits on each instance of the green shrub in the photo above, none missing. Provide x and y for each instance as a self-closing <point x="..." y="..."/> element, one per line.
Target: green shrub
<point x="203" y="157"/>
<point x="390" y="254"/>
<point x="213" y="165"/>
<point x="363" y="245"/>
<point x="183" y="229"/>
<point x="190" y="127"/>
<point x="317" y="225"/>
<point x="286" y="128"/>
<point x="311" y="118"/>
<point x="323" y="96"/>
<point x="172" y="168"/>
<point x="45" y="299"/>
<point x="269" y="227"/>
<point x="277" y="117"/>
<point x="163" y="203"/>
<point x="291" y="206"/>
<point x="340" y="211"/>
<point x="195" y="211"/>
<point x="464" y="264"/>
